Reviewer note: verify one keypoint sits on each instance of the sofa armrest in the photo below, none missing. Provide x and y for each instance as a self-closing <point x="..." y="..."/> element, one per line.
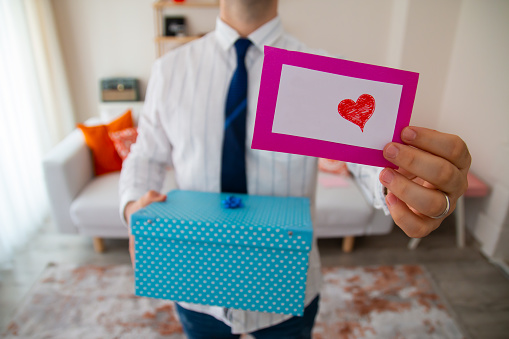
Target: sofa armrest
<point x="67" y="169"/>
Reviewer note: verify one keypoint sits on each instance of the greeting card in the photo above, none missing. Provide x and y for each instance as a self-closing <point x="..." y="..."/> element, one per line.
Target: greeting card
<point x="331" y="108"/>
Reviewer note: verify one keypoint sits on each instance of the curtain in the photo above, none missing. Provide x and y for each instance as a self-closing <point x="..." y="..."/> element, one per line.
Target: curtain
<point x="35" y="113"/>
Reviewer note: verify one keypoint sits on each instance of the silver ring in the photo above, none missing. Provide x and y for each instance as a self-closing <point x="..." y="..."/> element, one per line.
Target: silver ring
<point x="447" y="207"/>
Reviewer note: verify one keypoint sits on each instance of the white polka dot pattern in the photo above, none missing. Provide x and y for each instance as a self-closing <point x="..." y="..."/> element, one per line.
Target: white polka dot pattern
<point x="191" y="249"/>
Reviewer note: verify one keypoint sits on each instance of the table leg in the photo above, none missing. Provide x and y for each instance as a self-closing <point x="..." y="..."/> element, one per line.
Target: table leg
<point x="460" y="222"/>
<point x="413" y="243"/>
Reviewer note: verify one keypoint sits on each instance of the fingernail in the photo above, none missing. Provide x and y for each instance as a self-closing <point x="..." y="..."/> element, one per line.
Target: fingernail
<point x="387" y="176"/>
<point x="408" y="134"/>
<point x="391" y="152"/>
<point x="391" y="199"/>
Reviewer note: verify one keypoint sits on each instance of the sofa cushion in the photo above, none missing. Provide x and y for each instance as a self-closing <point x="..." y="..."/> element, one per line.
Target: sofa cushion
<point x="95" y="211"/>
<point x="342" y="205"/>
<point x="97" y="204"/>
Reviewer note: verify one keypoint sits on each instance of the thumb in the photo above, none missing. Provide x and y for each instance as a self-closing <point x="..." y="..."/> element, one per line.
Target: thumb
<point x="150" y="197"/>
<point x="144" y="201"/>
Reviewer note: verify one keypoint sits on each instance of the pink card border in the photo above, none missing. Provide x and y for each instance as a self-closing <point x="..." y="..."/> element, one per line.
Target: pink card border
<point x="265" y="139"/>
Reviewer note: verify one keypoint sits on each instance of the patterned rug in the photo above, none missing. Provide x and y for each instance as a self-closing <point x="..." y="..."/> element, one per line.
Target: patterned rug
<point x="356" y="302"/>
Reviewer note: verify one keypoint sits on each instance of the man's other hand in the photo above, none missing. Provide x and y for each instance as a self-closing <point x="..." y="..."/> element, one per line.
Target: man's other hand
<point x="133" y="206"/>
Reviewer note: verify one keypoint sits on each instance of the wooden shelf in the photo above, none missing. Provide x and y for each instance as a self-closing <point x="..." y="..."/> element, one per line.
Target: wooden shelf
<point x="177" y="39"/>
<point x="171" y="3"/>
<point x="162" y="6"/>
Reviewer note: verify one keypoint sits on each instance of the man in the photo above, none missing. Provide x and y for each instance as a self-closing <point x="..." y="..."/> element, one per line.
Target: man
<point x="186" y="124"/>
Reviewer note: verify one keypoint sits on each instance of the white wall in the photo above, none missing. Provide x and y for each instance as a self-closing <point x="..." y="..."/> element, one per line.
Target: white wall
<point x="356" y="30"/>
<point x="103" y="38"/>
<point x="476" y="106"/>
<point x="427" y="46"/>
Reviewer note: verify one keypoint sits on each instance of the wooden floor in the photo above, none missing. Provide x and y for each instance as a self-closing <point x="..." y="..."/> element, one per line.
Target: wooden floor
<point x="476" y="290"/>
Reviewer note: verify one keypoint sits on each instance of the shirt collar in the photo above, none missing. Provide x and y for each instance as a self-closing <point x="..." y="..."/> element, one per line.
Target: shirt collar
<point x="265" y="35"/>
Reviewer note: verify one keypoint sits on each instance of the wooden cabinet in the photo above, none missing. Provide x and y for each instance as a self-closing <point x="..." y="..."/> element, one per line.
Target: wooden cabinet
<point x="188" y="9"/>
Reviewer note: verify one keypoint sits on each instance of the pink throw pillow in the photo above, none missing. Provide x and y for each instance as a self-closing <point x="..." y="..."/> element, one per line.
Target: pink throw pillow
<point x="332" y="166"/>
<point x="123" y="139"/>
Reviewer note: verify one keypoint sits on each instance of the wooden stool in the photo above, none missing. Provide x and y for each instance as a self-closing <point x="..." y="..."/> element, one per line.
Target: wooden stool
<point x="476" y="188"/>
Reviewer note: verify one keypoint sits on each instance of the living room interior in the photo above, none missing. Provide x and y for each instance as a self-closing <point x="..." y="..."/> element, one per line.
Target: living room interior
<point x="74" y="232"/>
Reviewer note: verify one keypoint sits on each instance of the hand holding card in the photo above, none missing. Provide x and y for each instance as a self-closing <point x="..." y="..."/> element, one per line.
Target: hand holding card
<point x="343" y="110"/>
<point x="431" y="177"/>
<point x="331" y="108"/>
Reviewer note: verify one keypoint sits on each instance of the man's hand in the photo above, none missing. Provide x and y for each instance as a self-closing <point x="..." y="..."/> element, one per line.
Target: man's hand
<point x="430" y="165"/>
<point x="133" y="206"/>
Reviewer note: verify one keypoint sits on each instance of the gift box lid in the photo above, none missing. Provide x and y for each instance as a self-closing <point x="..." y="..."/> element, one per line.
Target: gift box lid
<point x="262" y="221"/>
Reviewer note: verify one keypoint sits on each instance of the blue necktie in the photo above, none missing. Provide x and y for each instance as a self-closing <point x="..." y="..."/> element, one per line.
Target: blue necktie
<point x="233" y="165"/>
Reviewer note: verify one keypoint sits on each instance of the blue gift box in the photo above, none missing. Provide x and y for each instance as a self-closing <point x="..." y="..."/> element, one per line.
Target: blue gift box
<point x="193" y="248"/>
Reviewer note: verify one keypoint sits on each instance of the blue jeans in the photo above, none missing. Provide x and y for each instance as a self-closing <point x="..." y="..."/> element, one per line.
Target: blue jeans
<point x="203" y="326"/>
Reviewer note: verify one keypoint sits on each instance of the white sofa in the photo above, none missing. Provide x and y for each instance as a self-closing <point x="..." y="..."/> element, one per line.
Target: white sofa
<point x="84" y="204"/>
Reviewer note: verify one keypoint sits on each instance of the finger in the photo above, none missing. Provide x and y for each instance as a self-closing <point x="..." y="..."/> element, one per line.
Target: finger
<point x="150" y="197"/>
<point x="144" y="201"/>
<point x="414" y="225"/>
<point x="425" y="201"/>
<point x="414" y="178"/>
<point x="436" y="170"/>
<point x="131" y="249"/>
<point x="447" y="146"/>
<point x="407" y="174"/>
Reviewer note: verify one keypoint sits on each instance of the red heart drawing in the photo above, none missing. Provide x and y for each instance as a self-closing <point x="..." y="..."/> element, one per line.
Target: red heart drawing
<point x="357" y="112"/>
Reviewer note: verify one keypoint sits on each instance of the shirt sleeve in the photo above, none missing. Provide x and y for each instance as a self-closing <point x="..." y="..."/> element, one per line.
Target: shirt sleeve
<point x="368" y="179"/>
<point x="145" y="167"/>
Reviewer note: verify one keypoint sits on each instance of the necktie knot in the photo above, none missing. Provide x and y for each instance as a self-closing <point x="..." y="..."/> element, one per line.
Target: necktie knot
<point x="241" y="46"/>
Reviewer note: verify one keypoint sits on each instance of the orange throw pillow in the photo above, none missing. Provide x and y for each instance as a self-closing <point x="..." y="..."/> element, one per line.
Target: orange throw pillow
<point x="106" y="158"/>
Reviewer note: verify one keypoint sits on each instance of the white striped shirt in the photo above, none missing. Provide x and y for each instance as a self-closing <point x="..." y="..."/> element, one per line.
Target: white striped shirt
<point x="182" y="126"/>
